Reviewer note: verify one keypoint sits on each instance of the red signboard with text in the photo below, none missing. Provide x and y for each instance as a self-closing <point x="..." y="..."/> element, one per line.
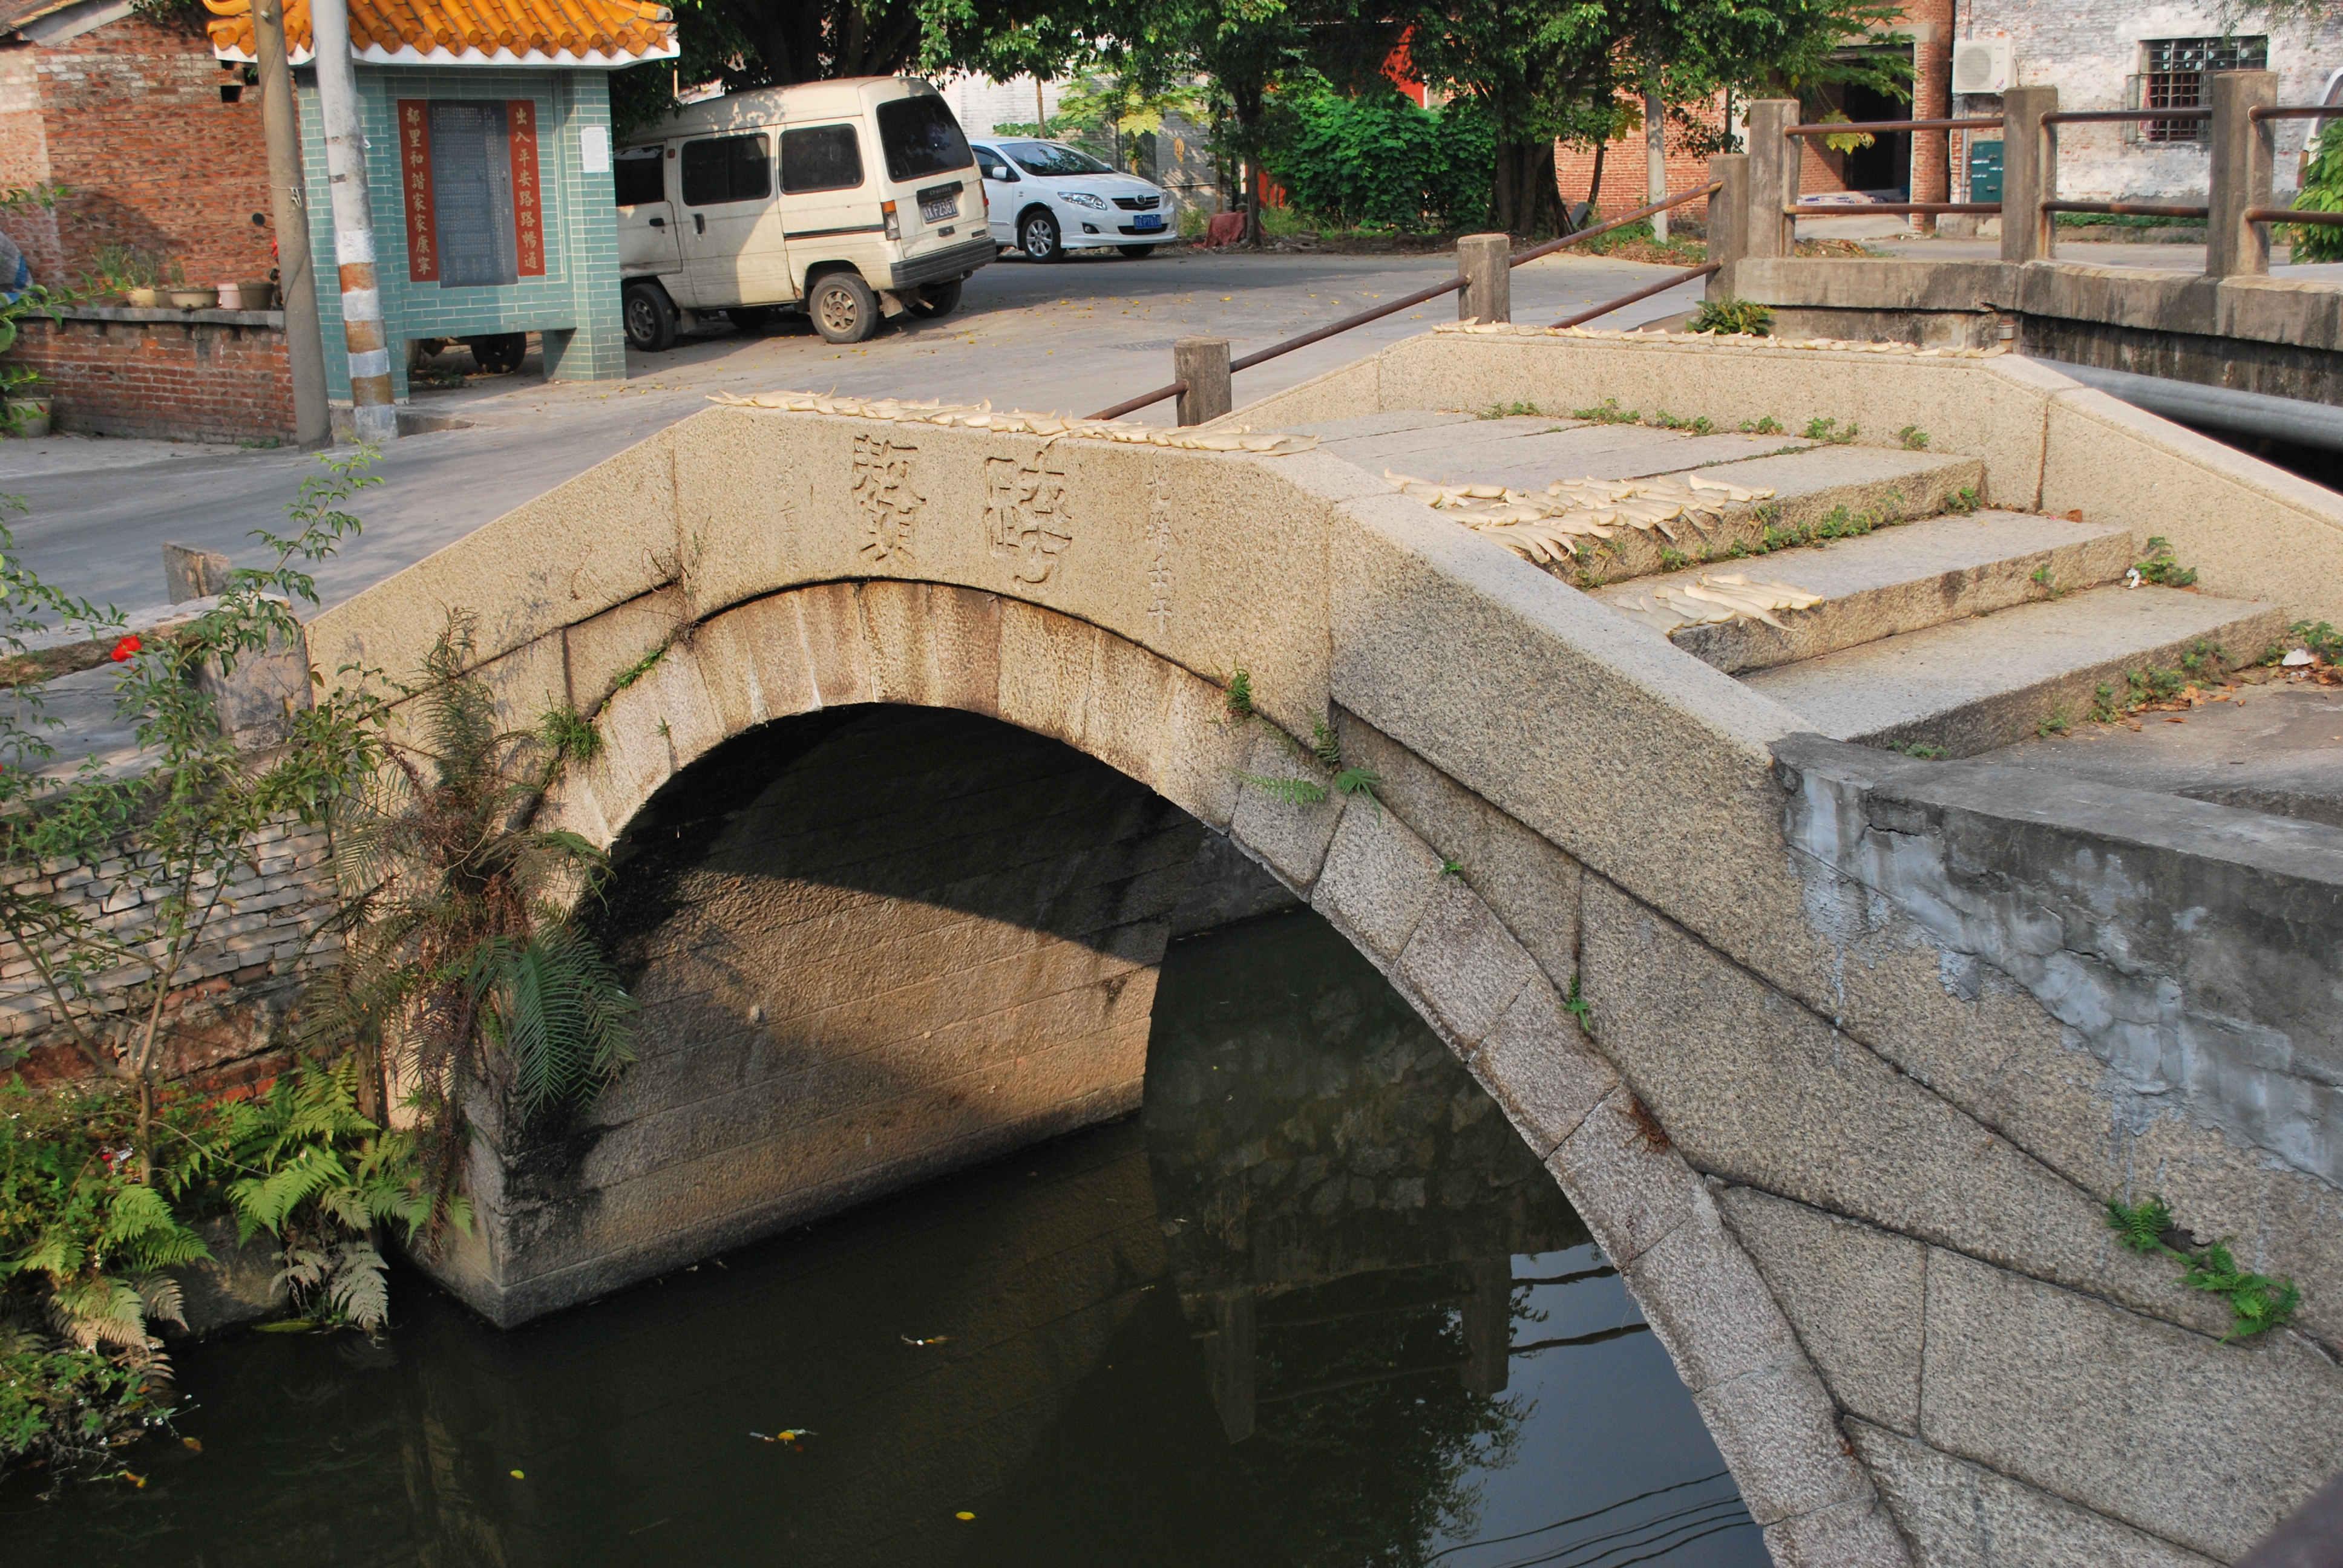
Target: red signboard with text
<point x="528" y="216"/>
<point x="415" y="179"/>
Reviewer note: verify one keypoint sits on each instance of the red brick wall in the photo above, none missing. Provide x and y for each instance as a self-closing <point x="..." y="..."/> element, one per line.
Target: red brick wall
<point x="208" y="381"/>
<point x="134" y="124"/>
<point x="1625" y="178"/>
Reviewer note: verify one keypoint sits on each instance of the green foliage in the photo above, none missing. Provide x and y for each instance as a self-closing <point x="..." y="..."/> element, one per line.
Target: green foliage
<point x="2320" y="639"/>
<point x="2056" y="724"/>
<point x="1326" y="745"/>
<point x="1768" y="425"/>
<point x="1239" y="700"/>
<point x="1740" y="317"/>
<point x="2161" y="568"/>
<point x="2258" y="1302"/>
<point x="1363" y="781"/>
<point x="1579" y="1008"/>
<point x="1963" y="501"/>
<point x="1698" y="424"/>
<point x="1915" y="439"/>
<point x="1919" y="748"/>
<point x="1511" y="411"/>
<point x="1608" y="412"/>
<point x="2047" y="581"/>
<point x="1291" y="791"/>
<point x="570" y="735"/>
<point x="1673" y="559"/>
<point x="1452" y="867"/>
<point x="460" y="956"/>
<point x="1829" y="432"/>
<point x="1378" y="160"/>
<point x="637" y="671"/>
<point x="2322" y="191"/>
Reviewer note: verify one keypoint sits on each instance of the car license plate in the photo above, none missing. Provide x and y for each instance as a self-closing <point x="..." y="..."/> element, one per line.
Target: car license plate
<point x="1146" y="221"/>
<point x="939" y="209"/>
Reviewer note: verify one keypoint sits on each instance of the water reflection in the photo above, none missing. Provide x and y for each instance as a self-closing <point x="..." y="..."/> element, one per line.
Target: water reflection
<point x="1317" y="1305"/>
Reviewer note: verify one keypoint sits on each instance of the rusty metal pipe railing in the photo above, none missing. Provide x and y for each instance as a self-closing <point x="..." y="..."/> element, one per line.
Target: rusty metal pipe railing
<point x="2118" y="116"/>
<point x="2296" y="112"/>
<point x="1852" y="127"/>
<point x="1133" y="405"/>
<point x="2129" y="209"/>
<point x="1608" y="306"/>
<point x="2292" y="215"/>
<point x="1421" y="296"/>
<point x="1851" y="209"/>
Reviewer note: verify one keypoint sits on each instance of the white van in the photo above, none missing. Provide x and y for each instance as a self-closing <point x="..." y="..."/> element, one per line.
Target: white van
<point x="877" y="209"/>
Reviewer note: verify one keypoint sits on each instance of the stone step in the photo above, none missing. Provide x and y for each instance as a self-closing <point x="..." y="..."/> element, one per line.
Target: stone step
<point x="1887" y="583"/>
<point x="1969" y="686"/>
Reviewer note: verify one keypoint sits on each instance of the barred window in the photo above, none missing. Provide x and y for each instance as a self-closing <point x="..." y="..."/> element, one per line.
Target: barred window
<point x="2173" y="74"/>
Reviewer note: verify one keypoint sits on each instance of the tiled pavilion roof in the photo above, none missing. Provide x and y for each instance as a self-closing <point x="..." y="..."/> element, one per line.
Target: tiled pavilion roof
<point x="470" y="31"/>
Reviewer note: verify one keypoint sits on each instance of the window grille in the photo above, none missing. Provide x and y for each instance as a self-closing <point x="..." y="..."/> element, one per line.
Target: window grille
<point x="2173" y="76"/>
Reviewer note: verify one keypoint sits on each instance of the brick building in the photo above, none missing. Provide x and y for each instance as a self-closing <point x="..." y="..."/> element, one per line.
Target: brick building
<point x="1914" y="168"/>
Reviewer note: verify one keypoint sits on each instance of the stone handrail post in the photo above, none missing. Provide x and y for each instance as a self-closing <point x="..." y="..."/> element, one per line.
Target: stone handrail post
<point x="2029" y="173"/>
<point x="1773" y="184"/>
<point x="1484" y="261"/>
<point x="2241" y="175"/>
<point x="1729" y="219"/>
<point x="1203" y="364"/>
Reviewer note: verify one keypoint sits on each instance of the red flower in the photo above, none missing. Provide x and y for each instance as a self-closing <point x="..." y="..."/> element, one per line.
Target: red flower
<point x="126" y="647"/>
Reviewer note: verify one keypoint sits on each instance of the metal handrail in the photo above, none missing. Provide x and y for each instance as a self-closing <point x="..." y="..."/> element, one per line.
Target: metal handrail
<point x="1850" y="127"/>
<point x="1421" y="296"/>
<point x="2129" y="208"/>
<point x="1608" y="306"/>
<point x="2292" y="215"/>
<point x="2296" y="112"/>
<point x="1826" y="210"/>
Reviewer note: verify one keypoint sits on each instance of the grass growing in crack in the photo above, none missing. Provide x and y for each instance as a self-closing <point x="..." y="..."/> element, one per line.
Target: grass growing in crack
<point x="1608" y="412"/>
<point x="1325" y="747"/>
<point x="2257" y="1303"/>
<point x="2160" y="568"/>
<point x="1768" y="426"/>
<point x="1698" y="424"/>
<point x="2202" y="664"/>
<point x="571" y="733"/>
<point x="1963" y="501"/>
<point x="1239" y="700"/>
<point x="2319" y="638"/>
<point x="1452" y="867"/>
<point x="1919" y="748"/>
<point x="1829" y="432"/>
<point x="1673" y="561"/>
<point x="1513" y="411"/>
<point x="640" y="667"/>
<point x="1915" y="439"/>
<point x="1578" y="1008"/>
<point x="2046" y="580"/>
<point x="2054" y="725"/>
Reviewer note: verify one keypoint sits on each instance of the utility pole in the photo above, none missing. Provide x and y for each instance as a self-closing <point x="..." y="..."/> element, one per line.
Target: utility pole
<point x="297" y="280"/>
<point x="1655" y="157"/>
<point x="371" y="414"/>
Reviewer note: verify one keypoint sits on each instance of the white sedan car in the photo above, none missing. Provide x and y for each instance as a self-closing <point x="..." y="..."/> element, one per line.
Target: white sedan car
<point x="1047" y="199"/>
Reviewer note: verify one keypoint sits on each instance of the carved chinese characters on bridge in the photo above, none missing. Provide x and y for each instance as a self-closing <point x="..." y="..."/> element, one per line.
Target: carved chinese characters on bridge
<point x="1025" y="520"/>
<point x="883" y="495"/>
<point x="1158" y="553"/>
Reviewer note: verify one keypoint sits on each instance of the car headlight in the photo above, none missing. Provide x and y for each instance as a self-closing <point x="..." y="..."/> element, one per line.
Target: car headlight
<point x="1084" y="198"/>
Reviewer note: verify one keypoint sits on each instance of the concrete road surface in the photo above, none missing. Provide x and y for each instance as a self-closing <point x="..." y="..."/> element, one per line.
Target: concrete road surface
<point x="1070" y="338"/>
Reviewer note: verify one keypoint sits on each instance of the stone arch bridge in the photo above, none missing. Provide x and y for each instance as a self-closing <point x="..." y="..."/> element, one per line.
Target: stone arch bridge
<point x="938" y="746"/>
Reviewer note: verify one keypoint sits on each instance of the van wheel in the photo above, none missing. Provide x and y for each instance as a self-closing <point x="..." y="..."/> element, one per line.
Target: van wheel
<point x="844" y="308"/>
<point x="500" y="353"/>
<point x="1037" y="237"/>
<point x="936" y="299"/>
<point x="650" y="318"/>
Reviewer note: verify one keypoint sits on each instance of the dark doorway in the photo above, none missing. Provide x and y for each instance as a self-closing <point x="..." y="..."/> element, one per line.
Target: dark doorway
<point x="1882" y="169"/>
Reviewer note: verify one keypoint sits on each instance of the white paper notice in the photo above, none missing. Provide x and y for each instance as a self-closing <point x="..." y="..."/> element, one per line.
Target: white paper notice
<point x="594" y="148"/>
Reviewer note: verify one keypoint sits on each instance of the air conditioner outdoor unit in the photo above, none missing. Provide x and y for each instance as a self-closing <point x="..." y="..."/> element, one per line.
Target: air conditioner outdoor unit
<point x="1981" y="64"/>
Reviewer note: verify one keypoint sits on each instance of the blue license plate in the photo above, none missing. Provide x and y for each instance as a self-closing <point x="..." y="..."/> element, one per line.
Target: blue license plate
<point x="1147" y="221"/>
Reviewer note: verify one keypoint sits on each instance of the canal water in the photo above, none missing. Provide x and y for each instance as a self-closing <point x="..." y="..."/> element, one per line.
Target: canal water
<point x="1316" y="1304"/>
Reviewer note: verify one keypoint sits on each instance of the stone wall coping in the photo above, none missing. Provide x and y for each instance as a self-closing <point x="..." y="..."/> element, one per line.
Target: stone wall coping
<point x="2300" y="313"/>
<point x="267" y="320"/>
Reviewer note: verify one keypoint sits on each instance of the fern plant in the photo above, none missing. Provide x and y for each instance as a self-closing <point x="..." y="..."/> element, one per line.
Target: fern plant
<point x="461" y="959"/>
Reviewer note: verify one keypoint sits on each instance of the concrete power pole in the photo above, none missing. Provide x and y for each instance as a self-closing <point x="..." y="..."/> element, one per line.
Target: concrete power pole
<point x="371" y="413"/>
<point x="1655" y="158"/>
<point x="280" y="127"/>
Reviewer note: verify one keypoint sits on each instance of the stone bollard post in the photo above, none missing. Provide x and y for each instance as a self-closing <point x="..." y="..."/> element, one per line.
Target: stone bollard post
<point x="1768" y="229"/>
<point x="1729" y="219"/>
<point x="2241" y="174"/>
<point x="1203" y="364"/>
<point x="2029" y="173"/>
<point x="1484" y="262"/>
<point x="190" y="573"/>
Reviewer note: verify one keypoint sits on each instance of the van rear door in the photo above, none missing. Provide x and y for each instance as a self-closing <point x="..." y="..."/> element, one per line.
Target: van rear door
<point x="648" y="243"/>
<point x="731" y="229"/>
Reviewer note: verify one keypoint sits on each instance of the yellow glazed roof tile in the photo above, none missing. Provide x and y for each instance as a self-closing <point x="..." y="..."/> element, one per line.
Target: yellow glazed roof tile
<point x="419" y="32"/>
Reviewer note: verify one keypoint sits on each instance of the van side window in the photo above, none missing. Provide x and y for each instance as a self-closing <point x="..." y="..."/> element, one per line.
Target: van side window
<point x="821" y="159"/>
<point x="640" y="174"/>
<point x="726" y="168"/>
